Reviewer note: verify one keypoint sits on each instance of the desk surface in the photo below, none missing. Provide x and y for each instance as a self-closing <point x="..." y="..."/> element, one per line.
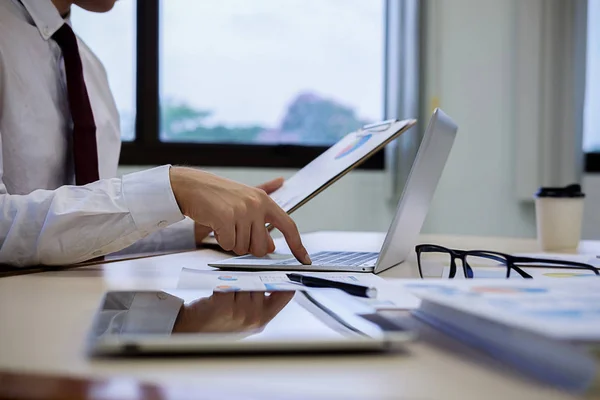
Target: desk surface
<point x="44" y="320"/>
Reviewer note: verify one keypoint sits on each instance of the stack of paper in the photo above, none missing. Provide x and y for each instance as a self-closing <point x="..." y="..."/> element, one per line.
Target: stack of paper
<point x="547" y="328"/>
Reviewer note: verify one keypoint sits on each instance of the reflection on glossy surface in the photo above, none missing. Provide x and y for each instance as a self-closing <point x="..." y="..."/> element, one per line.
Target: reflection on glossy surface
<point x="231" y="312"/>
<point x="125" y="313"/>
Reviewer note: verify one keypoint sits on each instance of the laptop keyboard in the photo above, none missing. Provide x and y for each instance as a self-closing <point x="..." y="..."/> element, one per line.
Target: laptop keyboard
<point x="340" y="258"/>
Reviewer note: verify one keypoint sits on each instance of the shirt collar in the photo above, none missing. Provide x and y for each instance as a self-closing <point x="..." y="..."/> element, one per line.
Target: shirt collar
<point x="45" y="16"/>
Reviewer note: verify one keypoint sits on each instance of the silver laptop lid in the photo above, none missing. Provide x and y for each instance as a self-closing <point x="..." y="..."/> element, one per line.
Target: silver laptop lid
<point x="416" y="196"/>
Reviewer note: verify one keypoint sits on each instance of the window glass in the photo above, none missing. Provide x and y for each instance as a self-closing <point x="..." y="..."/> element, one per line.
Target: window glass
<point x="270" y="71"/>
<point x="591" y="126"/>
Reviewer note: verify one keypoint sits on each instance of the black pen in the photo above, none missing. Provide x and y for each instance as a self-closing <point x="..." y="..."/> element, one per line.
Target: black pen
<point x="350" y="288"/>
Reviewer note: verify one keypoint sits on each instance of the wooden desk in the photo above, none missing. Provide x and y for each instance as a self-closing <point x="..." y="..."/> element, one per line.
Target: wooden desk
<point x="44" y="319"/>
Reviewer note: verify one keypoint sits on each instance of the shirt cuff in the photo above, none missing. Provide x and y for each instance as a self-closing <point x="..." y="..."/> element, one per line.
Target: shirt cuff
<point x="150" y="199"/>
<point x="153" y="312"/>
<point x="182" y="235"/>
<point x="135" y="313"/>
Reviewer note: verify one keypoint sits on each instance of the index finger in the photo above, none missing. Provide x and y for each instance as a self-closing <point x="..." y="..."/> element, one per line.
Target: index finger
<point x="282" y="221"/>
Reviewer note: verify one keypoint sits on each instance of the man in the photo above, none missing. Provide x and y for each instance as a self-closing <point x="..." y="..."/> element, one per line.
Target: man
<point x="60" y="141"/>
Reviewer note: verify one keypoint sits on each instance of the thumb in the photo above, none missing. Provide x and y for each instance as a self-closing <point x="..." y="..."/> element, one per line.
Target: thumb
<point x="271" y="186"/>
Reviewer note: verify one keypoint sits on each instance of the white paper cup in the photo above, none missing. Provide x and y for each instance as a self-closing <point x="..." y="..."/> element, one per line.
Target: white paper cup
<point x="559" y="214"/>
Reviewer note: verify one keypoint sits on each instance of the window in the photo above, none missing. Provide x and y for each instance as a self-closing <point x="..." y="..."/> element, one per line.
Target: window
<point x="266" y="83"/>
<point x="116" y="48"/>
<point x="300" y="72"/>
<point x="591" y="125"/>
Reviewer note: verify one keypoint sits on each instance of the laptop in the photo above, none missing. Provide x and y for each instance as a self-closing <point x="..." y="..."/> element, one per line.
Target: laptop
<point x="405" y="228"/>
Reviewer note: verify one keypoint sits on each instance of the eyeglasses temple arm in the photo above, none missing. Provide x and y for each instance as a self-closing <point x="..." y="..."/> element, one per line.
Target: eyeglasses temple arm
<point x="516" y="260"/>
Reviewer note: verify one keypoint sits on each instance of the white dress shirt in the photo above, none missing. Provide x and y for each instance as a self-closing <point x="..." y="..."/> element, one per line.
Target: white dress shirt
<point x="44" y="218"/>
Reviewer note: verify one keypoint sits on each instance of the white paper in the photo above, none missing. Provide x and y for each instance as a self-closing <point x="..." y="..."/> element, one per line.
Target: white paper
<point x="562" y="274"/>
<point x="479" y="273"/>
<point x="537" y="273"/>
<point x="582" y="258"/>
<point x="388" y="297"/>
<point x="561" y="308"/>
<point x="276" y="280"/>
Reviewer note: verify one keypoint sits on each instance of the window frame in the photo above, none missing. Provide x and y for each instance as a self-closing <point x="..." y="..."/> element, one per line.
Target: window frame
<point x="591" y="158"/>
<point x="592" y="162"/>
<point x="147" y="149"/>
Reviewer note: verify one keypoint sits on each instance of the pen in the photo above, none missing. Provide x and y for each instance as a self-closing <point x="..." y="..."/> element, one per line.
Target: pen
<point x="350" y="288"/>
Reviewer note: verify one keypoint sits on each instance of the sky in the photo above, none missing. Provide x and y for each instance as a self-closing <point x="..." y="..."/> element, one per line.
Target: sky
<point x="246" y="60"/>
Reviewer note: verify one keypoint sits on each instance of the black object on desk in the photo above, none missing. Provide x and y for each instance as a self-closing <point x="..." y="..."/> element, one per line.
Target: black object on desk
<point x="350" y="288"/>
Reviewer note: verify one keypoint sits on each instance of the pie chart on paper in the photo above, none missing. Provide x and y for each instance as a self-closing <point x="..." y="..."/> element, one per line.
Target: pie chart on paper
<point x="354" y="145"/>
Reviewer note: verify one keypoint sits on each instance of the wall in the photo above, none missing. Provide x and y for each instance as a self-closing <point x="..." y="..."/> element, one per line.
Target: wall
<point x="473" y="76"/>
<point x="472" y="73"/>
<point x="591" y="212"/>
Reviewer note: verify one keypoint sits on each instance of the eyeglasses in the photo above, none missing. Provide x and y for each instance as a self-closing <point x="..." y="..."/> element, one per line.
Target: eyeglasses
<point x="433" y="259"/>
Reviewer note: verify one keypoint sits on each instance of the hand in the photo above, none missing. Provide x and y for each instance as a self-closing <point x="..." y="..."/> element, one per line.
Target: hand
<point x="201" y="231"/>
<point x="231" y="312"/>
<point x="235" y="212"/>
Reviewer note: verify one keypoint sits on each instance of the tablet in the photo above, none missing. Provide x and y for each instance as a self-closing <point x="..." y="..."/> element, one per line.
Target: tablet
<point x="130" y="323"/>
<point x="341" y="158"/>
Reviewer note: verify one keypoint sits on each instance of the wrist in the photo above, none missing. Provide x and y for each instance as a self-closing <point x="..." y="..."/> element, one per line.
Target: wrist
<point x="179" y="324"/>
<point x="177" y="177"/>
<point x="200" y="233"/>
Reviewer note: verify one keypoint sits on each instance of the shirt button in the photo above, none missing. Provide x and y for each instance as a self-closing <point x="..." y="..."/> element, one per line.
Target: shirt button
<point x="162" y="224"/>
<point x="46" y="31"/>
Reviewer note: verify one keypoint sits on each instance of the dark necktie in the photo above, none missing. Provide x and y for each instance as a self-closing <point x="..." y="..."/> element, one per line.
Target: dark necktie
<point x="85" y="152"/>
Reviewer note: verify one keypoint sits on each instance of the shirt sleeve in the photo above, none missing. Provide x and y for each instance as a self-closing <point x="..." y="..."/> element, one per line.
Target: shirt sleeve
<point x="177" y="237"/>
<point x="75" y="223"/>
